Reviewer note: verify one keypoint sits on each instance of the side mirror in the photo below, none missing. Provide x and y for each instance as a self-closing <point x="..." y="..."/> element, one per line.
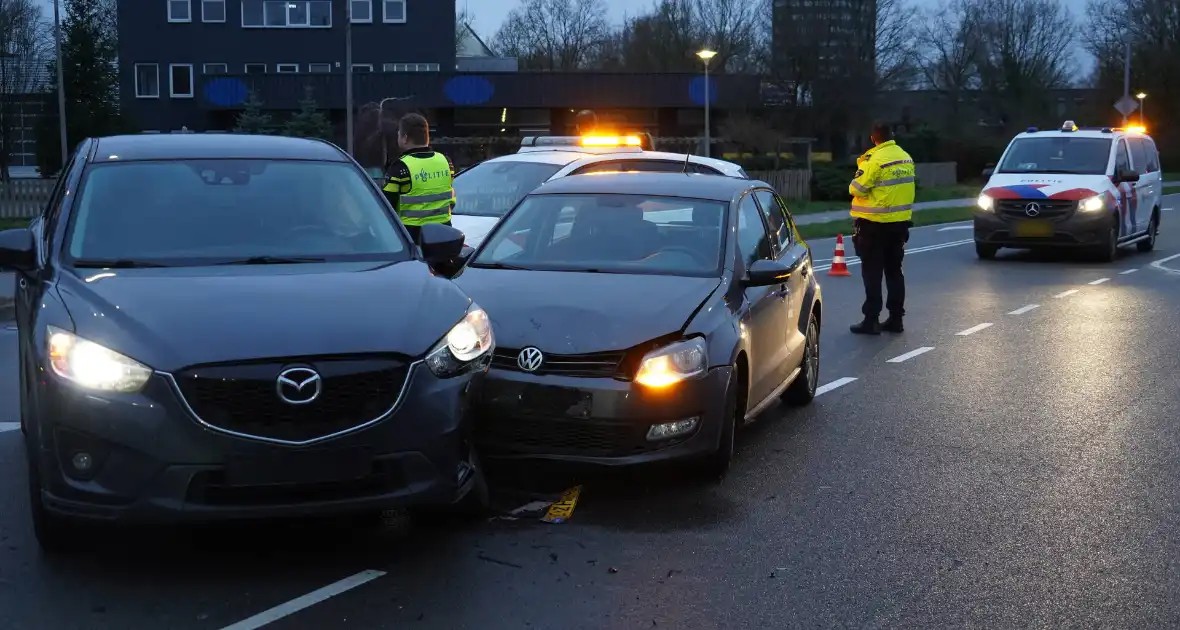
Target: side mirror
<point x="987" y="172"/>
<point x="442" y="245"/>
<point x="1128" y="176"/>
<point x="17" y="250"/>
<point x="764" y="273"/>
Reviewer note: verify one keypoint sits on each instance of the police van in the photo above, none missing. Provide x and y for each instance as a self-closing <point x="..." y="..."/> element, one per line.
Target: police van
<point x="487" y="191"/>
<point x="1093" y="188"/>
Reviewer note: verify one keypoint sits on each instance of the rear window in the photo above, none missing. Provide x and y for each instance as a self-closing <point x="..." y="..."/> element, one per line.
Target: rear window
<point x="491" y="189"/>
<point x="194" y="212"/>
<point x="1057" y="155"/>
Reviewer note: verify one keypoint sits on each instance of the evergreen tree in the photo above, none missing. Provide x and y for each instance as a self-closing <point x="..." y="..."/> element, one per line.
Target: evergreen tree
<point x="90" y="74"/>
<point x="309" y="122"/>
<point x="253" y="119"/>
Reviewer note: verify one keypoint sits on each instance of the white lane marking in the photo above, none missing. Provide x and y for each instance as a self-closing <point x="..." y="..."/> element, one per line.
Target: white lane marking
<point x="917" y="250"/>
<point x="957" y="227"/>
<point x="1066" y="293"/>
<point x="1127" y="272"/>
<point x="972" y="330"/>
<point x="9" y="426"/>
<point x="909" y="355"/>
<point x="840" y="382"/>
<point x="1159" y="264"/>
<point x="1099" y="281"/>
<point x="305" y="601"/>
<point x="1024" y="309"/>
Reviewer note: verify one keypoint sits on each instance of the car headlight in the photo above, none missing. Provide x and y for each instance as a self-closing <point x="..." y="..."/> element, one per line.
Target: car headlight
<point x="673" y="363"/>
<point x="92" y="366"/>
<point x="985" y="203"/>
<point x="469" y="343"/>
<point x="1092" y="204"/>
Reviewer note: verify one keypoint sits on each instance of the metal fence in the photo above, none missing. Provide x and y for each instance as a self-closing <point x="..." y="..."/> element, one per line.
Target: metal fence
<point x="24" y="198"/>
<point x="792" y="184"/>
<point x="937" y="174"/>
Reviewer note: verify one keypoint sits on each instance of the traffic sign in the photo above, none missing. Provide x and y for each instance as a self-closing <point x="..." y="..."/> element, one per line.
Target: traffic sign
<point x="1126" y="105"/>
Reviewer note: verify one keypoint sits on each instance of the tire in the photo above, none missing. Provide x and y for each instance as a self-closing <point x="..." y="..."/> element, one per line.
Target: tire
<point x="1108" y="251"/>
<point x="802" y="391"/>
<point x="55" y="534"/>
<point x="985" y="252"/>
<point x="717" y="464"/>
<point x="1153" y="230"/>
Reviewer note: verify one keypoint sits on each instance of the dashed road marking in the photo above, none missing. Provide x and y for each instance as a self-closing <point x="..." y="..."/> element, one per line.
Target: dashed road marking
<point x="1159" y="264"/>
<point x="853" y="260"/>
<point x="1066" y="293"/>
<point x="9" y="426"/>
<point x="1024" y="309"/>
<point x="840" y="382"/>
<point x="305" y="601"/>
<point x="972" y="330"/>
<point x="911" y="354"/>
<point x="1127" y="272"/>
<point x="1100" y="281"/>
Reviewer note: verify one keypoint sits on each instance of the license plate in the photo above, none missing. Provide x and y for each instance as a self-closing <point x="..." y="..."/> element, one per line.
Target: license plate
<point x="298" y="467"/>
<point x="1032" y="229"/>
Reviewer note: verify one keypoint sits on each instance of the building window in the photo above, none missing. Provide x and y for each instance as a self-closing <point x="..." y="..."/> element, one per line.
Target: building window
<point x="215" y="68"/>
<point x="319" y="68"/>
<point x="180" y="11"/>
<point x="255" y="68"/>
<point x="287" y="68"/>
<point x="180" y="80"/>
<point x="362" y="67"/>
<point x="410" y="67"/>
<point x="147" y="80"/>
<point x="393" y="11"/>
<point x="286" y="13"/>
<point x="362" y="10"/>
<point x="212" y="10"/>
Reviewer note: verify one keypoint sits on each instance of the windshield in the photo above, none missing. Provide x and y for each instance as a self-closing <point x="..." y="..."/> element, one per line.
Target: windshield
<point x="492" y="189"/>
<point x="1057" y="154"/>
<point x="607" y="233"/>
<point x="194" y="212"/>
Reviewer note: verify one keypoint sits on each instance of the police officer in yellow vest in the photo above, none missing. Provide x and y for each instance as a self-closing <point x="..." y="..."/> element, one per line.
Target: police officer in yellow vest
<point x="882" y="204"/>
<point x="419" y="185"/>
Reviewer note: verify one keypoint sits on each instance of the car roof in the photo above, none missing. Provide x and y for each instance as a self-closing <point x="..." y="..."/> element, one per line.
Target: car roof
<point x="686" y="185"/>
<point x="544" y="157"/>
<point x="182" y="146"/>
<point x="1083" y="133"/>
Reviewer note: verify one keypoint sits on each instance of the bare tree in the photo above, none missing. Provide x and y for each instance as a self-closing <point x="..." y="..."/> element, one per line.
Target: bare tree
<point x="24" y="51"/>
<point x="949" y="56"/>
<point x="895" y="46"/>
<point x="463" y="19"/>
<point x="554" y="34"/>
<point x="1152" y="27"/>
<point x="731" y="28"/>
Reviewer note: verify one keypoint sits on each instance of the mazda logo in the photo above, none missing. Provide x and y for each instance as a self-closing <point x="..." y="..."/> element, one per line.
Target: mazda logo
<point x="299" y="385"/>
<point x="1032" y="209"/>
<point x="530" y="359"/>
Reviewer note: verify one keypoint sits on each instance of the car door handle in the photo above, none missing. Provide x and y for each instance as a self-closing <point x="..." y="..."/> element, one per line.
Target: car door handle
<point x="782" y="292"/>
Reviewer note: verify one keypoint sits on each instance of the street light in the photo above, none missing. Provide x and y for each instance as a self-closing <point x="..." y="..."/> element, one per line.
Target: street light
<point x="61" y="88"/>
<point x="706" y="56"/>
<point x="1141" y="96"/>
<point x="348" y="82"/>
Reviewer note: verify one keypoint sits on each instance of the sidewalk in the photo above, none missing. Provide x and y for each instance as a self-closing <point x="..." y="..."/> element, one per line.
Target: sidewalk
<point x="837" y="215"/>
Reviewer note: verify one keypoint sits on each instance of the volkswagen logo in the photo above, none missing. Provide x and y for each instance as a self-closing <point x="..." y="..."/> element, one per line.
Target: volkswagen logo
<point x="299" y="385"/>
<point x="1032" y="209"/>
<point x="530" y="359"/>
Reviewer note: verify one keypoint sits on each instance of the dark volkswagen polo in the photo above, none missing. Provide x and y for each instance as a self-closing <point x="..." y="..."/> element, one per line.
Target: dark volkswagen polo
<point x="227" y="326"/>
<point x="642" y="317"/>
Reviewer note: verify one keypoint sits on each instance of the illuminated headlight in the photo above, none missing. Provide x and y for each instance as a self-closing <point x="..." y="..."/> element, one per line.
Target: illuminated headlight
<point x="92" y="366"/>
<point x="985" y="203"/>
<point x="467" y="345"/>
<point x="1092" y="204"/>
<point x="673" y="363"/>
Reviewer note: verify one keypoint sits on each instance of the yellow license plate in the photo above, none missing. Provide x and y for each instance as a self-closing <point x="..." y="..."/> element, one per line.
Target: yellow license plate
<point x="561" y="511"/>
<point x="1032" y="229"/>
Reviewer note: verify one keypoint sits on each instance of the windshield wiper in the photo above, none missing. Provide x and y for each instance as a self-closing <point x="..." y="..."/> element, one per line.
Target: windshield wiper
<point x="273" y="260"/>
<point x="479" y="265"/>
<point x="115" y="263"/>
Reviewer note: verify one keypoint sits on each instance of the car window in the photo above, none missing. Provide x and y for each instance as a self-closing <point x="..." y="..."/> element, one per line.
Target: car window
<point x="635" y="166"/>
<point x="192" y="212"/>
<point x="1138" y="155"/>
<point x="610" y="233"/>
<point x="491" y="189"/>
<point x="1057" y="154"/>
<point x="1121" y="161"/>
<point x="776" y="218"/>
<point x="753" y="241"/>
<point x="1153" y="156"/>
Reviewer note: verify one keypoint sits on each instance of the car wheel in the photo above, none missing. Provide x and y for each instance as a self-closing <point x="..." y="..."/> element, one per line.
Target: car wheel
<point x="802" y="391"/>
<point x="717" y="464"/>
<point x="55" y="534"/>
<point x="1153" y="230"/>
<point x="1109" y="250"/>
<point x="985" y="252"/>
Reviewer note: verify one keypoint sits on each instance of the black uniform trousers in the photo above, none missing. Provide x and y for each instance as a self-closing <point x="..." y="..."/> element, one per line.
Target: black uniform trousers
<point x="881" y="247"/>
<point x="416" y="231"/>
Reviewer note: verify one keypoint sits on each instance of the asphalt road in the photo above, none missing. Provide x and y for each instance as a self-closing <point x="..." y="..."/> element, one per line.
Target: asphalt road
<point x="1021" y="473"/>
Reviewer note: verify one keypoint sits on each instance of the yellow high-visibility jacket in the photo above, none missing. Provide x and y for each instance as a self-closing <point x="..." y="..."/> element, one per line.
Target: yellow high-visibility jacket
<point x="884" y="185"/>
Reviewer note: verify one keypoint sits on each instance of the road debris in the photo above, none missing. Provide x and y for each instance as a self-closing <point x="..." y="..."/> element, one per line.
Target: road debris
<point x="562" y="510"/>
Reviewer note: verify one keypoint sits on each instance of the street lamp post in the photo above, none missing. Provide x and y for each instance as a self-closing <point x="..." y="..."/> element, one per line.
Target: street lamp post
<point x="61" y="87"/>
<point x="348" y="80"/>
<point x="707" y="56"/>
<point x="381" y="125"/>
<point x="1142" y="118"/>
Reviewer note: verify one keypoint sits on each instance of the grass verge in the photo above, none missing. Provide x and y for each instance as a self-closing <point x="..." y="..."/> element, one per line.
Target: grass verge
<point x="1171" y="190"/>
<point x="8" y="224"/>
<point x="941" y="193"/>
<point x="932" y="216"/>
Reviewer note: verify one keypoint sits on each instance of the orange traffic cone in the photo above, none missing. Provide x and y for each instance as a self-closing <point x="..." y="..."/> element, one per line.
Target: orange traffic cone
<point x="839" y="267"/>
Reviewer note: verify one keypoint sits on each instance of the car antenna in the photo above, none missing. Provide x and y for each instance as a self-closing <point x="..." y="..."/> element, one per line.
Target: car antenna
<point x="686" y="156"/>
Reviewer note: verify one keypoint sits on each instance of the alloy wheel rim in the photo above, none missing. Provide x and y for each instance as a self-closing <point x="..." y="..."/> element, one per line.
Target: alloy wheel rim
<point x="812" y="358"/>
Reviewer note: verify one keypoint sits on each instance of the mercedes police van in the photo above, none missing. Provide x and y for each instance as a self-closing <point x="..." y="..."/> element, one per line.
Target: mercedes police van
<point x="1093" y="188"/>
